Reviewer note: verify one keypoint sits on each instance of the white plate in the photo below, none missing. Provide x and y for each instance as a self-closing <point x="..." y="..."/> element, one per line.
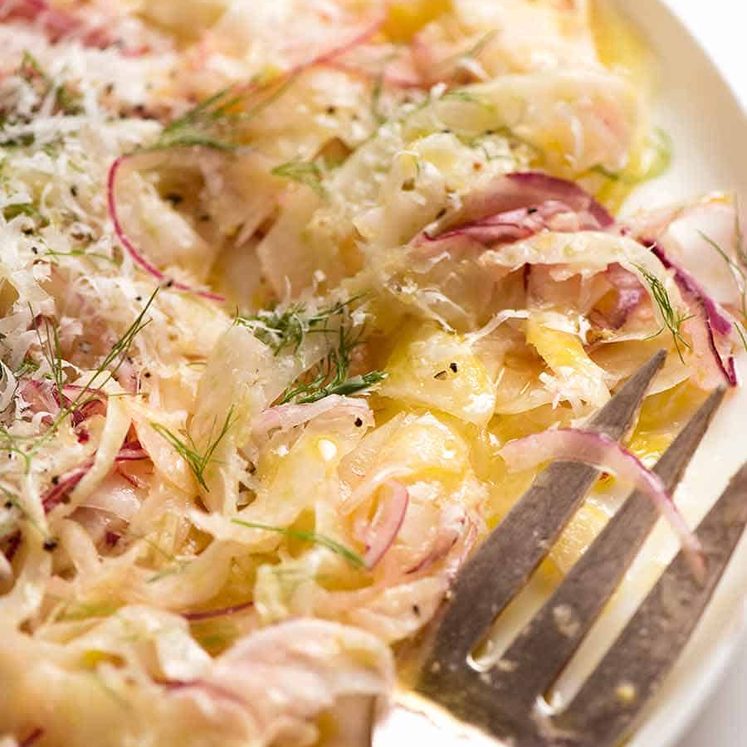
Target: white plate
<point x="708" y="127"/>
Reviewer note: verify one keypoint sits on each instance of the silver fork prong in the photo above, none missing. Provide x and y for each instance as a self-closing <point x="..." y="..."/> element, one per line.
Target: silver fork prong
<point x="502" y="566"/>
<point x="539" y="653"/>
<point x="609" y="702"/>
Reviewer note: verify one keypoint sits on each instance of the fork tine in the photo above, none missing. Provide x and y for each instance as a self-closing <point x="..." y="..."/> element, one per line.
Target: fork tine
<point x="610" y="700"/>
<point x="543" y="648"/>
<point x="512" y="552"/>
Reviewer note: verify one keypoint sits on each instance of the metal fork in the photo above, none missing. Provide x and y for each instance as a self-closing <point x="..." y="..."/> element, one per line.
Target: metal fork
<point x="506" y="700"/>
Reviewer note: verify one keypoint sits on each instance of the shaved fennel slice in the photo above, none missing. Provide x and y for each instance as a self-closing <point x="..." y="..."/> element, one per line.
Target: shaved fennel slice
<point x="284" y="417"/>
<point x="586" y="253"/>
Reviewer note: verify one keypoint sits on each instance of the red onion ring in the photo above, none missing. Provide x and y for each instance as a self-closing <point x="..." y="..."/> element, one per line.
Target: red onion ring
<point x="132" y="250"/>
<point x="222" y="612"/>
<point x="598" y="450"/>
<point x="519" y="205"/>
<point x="380" y="534"/>
<point x="716" y="321"/>
<point x="129" y="452"/>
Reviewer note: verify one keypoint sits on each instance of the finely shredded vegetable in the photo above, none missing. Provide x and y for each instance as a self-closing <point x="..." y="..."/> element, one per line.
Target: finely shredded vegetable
<point x="280" y="281"/>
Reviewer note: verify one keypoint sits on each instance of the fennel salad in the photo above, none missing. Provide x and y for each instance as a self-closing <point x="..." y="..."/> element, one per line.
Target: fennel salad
<point x="296" y="298"/>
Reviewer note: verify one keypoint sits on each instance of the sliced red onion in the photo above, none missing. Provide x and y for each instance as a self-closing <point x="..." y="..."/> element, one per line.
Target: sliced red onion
<point x="468" y="541"/>
<point x="598" y="450"/>
<point x="87" y="410"/>
<point x="40" y="397"/>
<point x="716" y="320"/>
<point x="132" y="250"/>
<point x="380" y="534"/>
<point x="630" y="295"/>
<point x="321" y="59"/>
<point x="452" y="527"/>
<point x="288" y="416"/>
<point x="129" y="452"/>
<point x="328" y="58"/>
<point x="32" y="738"/>
<point x="717" y="317"/>
<point x="504" y="228"/>
<point x="111" y="538"/>
<point x="96" y="405"/>
<point x="517" y="206"/>
<point x="57" y="24"/>
<point x="221" y="612"/>
<point x="56" y="494"/>
<point x="12" y="543"/>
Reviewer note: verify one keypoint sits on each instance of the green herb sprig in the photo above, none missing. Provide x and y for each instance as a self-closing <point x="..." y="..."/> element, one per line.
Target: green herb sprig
<point x="673" y="319"/>
<point x="51" y="351"/>
<point x="660" y="144"/>
<point x="204" y="125"/>
<point x="212" y="122"/>
<point x="466" y="96"/>
<point x="307" y="173"/>
<point x="55" y="255"/>
<point x="734" y="267"/>
<point x="67" y="100"/>
<point x="286" y="329"/>
<point x="117" y="354"/>
<point x="305" y="536"/>
<point x="331" y="376"/>
<point x="24" y="208"/>
<point x="197" y="461"/>
<point x="27" y="446"/>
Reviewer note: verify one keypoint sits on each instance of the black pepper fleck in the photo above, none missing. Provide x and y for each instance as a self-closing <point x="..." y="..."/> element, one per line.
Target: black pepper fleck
<point x="453" y="366"/>
<point x="358" y="422"/>
<point x="440" y="375"/>
<point x="73" y="190"/>
<point x="416" y="610"/>
<point x="50" y="544"/>
<point x="56" y="480"/>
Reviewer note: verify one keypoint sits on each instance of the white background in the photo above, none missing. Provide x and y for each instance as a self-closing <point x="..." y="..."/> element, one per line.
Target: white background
<point x="720" y="26"/>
